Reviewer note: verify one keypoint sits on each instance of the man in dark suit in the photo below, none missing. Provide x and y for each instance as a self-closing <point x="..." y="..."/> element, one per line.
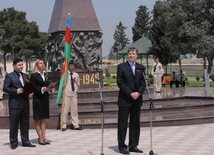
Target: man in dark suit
<point x="18" y="106"/>
<point x="131" y="82"/>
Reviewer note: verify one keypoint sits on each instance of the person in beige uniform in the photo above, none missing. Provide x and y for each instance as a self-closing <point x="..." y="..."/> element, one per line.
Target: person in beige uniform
<point x="2" y="76"/>
<point x="71" y="86"/>
<point x="157" y="73"/>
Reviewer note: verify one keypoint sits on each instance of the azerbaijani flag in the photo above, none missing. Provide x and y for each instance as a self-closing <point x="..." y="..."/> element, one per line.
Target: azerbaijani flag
<point x="67" y="49"/>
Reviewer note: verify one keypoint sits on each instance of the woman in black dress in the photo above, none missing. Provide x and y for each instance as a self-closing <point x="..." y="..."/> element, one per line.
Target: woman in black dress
<point x="40" y="100"/>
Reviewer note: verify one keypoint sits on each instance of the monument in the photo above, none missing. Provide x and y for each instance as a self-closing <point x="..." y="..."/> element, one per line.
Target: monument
<point x="86" y="49"/>
<point x="86" y="45"/>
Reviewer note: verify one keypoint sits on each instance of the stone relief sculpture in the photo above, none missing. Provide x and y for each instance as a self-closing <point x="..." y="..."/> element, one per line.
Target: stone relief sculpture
<point x="86" y="50"/>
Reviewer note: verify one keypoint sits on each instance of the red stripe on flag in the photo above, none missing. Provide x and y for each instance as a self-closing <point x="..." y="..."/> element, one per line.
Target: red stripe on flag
<point x="64" y="67"/>
<point x="68" y="35"/>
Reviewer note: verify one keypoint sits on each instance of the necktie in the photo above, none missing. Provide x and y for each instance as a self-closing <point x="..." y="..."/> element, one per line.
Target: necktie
<point x="72" y="82"/>
<point x="21" y="79"/>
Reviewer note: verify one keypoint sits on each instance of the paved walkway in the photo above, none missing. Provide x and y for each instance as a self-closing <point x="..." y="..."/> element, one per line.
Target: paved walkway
<point x="175" y="140"/>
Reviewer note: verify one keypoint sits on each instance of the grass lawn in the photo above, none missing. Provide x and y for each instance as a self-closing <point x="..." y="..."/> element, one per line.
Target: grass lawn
<point x="113" y="82"/>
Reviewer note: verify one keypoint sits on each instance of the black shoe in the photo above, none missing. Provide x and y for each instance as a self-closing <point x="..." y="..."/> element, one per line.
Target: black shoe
<point x="124" y="151"/>
<point x="13" y="146"/>
<point x="63" y="129"/>
<point x="41" y="143"/>
<point x="78" y="128"/>
<point x="47" y="143"/>
<point x="135" y="149"/>
<point x="28" y="145"/>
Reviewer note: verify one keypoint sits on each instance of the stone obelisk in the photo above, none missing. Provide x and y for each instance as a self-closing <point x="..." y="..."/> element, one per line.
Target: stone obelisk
<point x="86" y="36"/>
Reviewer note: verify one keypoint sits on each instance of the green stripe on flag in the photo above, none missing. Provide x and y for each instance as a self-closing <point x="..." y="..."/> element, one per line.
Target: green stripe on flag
<point x="59" y="96"/>
<point x="67" y="49"/>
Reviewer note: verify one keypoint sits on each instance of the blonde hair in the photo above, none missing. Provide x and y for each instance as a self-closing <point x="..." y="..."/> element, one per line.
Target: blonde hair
<point x="35" y="69"/>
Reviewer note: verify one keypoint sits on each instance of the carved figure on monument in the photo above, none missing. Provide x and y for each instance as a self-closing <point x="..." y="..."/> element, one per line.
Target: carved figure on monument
<point x="50" y="49"/>
<point x="96" y="54"/>
<point x="81" y="50"/>
<point x="55" y="52"/>
<point x="87" y="50"/>
<point x="59" y="52"/>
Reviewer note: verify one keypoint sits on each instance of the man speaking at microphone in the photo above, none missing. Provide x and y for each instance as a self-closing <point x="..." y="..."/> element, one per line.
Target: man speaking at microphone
<point x="131" y="82"/>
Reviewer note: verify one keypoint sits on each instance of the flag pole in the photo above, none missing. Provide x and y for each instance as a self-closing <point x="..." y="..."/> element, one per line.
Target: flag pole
<point x="63" y="101"/>
<point x="63" y="80"/>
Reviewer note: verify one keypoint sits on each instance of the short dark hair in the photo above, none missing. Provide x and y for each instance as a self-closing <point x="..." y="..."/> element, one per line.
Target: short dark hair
<point x="71" y="62"/>
<point x="132" y="49"/>
<point x="16" y="60"/>
<point x="156" y="58"/>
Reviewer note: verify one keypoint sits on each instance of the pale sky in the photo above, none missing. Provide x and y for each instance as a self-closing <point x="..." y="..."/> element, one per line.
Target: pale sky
<point x="109" y="14"/>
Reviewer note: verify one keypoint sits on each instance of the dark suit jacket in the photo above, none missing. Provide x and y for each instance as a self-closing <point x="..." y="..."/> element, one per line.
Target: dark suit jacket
<point x="11" y="84"/>
<point x="36" y="79"/>
<point x="129" y="83"/>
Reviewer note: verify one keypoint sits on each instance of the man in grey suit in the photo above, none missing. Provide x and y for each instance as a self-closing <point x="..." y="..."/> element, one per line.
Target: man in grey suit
<point x="18" y="106"/>
<point x="131" y="82"/>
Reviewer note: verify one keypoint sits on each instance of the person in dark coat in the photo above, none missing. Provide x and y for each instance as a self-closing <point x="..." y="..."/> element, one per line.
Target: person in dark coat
<point x="40" y="100"/>
<point x="18" y="106"/>
<point x="131" y="82"/>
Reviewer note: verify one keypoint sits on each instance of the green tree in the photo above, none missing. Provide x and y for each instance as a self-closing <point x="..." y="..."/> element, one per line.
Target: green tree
<point x="112" y="55"/>
<point x="142" y="23"/>
<point x="10" y="23"/>
<point x="188" y="28"/>
<point x="159" y="34"/>
<point x="108" y="74"/>
<point x="120" y="39"/>
<point x="20" y="37"/>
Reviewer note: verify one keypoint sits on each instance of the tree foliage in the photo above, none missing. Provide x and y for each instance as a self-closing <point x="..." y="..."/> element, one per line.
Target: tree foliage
<point x="20" y="37"/>
<point x="120" y="39"/>
<point x="183" y="27"/>
<point x="112" y="55"/>
<point x="142" y="23"/>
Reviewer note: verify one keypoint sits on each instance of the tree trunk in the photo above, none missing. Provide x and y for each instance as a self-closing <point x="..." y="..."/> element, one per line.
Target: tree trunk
<point x="179" y="63"/>
<point x="4" y="57"/>
<point x="13" y="53"/>
<point x="204" y="63"/>
<point x="26" y="65"/>
<point x="210" y="64"/>
<point x="204" y="68"/>
<point x="29" y="63"/>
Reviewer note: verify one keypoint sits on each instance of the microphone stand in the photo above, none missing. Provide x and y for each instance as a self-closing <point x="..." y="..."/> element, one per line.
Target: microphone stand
<point x="151" y="106"/>
<point x="102" y="102"/>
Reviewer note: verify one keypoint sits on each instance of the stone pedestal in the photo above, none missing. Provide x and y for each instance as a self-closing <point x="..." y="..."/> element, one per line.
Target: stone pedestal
<point x="88" y="79"/>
